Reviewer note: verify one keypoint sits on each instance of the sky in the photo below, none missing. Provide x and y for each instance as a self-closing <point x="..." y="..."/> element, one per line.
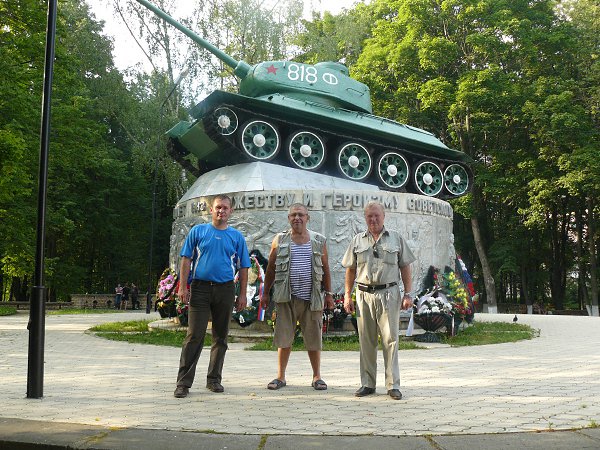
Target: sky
<point x="127" y="53"/>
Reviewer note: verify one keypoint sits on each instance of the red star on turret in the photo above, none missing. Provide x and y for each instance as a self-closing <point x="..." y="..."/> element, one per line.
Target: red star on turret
<point x="272" y="69"/>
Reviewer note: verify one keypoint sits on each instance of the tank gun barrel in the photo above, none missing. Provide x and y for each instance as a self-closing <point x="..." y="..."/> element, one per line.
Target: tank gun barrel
<point x="240" y="68"/>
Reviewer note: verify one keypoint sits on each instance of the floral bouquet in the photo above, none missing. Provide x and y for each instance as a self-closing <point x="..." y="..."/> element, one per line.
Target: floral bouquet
<point x="167" y="294"/>
<point x="428" y="304"/>
<point x="454" y="290"/>
<point x="182" y="311"/>
<point x="337" y="315"/>
<point x="446" y="298"/>
<point x="431" y="312"/>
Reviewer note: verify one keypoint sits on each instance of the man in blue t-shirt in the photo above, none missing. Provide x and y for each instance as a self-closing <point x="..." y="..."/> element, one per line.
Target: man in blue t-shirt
<point x="210" y="257"/>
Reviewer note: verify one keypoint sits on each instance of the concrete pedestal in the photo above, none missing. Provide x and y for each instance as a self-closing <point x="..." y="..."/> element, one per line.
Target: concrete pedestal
<point x="262" y="194"/>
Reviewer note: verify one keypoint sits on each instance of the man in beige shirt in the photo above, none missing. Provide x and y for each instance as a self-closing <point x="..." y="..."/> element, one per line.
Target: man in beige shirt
<point x="376" y="259"/>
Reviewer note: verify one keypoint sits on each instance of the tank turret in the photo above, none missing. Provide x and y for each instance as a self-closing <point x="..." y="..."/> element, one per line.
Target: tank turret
<point x="320" y="119"/>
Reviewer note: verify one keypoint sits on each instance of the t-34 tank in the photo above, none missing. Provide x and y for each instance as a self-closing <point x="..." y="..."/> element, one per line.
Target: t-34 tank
<point x="321" y="119"/>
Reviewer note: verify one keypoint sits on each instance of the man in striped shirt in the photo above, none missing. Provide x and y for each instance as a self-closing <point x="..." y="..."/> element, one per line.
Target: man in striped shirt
<point x="298" y="271"/>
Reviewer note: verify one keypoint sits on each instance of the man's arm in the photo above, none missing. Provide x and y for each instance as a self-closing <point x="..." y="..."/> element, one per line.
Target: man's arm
<point x="405" y="274"/>
<point x="184" y="273"/>
<point x="241" y="300"/>
<point x="269" y="274"/>
<point x="349" y="284"/>
<point x="326" y="278"/>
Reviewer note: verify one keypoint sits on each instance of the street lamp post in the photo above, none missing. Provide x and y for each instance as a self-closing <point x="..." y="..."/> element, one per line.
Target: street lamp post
<point x="37" y="308"/>
<point x="176" y="83"/>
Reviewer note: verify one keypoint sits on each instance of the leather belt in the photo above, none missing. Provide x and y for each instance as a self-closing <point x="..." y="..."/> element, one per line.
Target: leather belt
<point x="375" y="287"/>
<point x="212" y="283"/>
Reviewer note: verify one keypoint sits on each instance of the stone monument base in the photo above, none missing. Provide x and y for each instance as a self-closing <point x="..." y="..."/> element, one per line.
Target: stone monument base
<point x="262" y="194"/>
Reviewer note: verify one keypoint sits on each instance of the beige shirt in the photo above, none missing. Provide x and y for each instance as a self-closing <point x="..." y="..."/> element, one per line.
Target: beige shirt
<point x="392" y="252"/>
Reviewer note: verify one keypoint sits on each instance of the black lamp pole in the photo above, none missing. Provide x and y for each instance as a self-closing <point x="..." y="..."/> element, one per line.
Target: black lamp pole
<point x="176" y="83"/>
<point x="37" y="310"/>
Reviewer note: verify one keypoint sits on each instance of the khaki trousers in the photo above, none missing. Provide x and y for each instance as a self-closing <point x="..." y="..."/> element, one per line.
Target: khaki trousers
<point x="379" y="314"/>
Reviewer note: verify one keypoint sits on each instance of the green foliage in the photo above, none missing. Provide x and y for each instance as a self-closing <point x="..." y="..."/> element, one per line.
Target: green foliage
<point x="484" y="333"/>
<point x="7" y="310"/>
<point x="78" y="311"/>
<point x="480" y="333"/>
<point x="122" y="327"/>
<point x="502" y="82"/>
<point x="330" y="344"/>
<point x="137" y="332"/>
<point x="98" y="201"/>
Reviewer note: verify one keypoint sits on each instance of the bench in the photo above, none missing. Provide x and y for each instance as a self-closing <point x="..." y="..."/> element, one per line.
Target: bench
<point x="49" y="305"/>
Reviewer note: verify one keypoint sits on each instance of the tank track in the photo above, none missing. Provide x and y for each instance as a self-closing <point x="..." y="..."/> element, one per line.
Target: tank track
<point x="400" y="169"/>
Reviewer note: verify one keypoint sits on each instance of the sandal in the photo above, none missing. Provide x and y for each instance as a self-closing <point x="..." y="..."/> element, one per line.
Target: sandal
<point x="275" y="384"/>
<point x="319" y="385"/>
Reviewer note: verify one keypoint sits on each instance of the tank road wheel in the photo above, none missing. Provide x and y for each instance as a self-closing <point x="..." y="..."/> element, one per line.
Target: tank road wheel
<point x="429" y="179"/>
<point x="226" y="122"/>
<point x="306" y="150"/>
<point x="260" y="140"/>
<point x="354" y="161"/>
<point x="392" y="170"/>
<point x="456" y="179"/>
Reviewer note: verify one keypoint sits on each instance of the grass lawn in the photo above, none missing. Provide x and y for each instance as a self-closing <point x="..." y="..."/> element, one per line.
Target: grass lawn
<point x="57" y="312"/>
<point x="137" y="332"/>
<point x="7" y="310"/>
<point x="483" y="333"/>
<point x="480" y="333"/>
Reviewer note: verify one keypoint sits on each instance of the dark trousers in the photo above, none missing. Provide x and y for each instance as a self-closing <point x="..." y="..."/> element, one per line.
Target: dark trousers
<point x="206" y="301"/>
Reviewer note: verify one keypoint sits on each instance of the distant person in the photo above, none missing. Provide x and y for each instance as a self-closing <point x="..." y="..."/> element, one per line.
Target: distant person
<point x="148" y="302"/>
<point x="376" y="259"/>
<point x="298" y="271"/>
<point x="135" y="293"/>
<point x="125" y="298"/>
<point x="212" y="252"/>
<point x="118" y="295"/>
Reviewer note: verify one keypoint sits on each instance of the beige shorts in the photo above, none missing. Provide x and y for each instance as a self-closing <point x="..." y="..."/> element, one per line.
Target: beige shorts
<point x="311" y="324"/>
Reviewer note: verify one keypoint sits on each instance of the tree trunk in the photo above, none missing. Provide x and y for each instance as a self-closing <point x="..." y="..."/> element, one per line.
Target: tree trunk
<point x="488" y="279"/>
<point x="582" y="294"/>
<point x="593" y="262"/>
<point x="557" y="262"/>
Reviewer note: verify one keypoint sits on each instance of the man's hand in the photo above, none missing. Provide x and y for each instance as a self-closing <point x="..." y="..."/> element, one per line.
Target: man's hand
<point x="183" y="293"/>
<point x="329" y="301"/>
<point x="407" y="302"/>
<point x="264" y="300"/>
<point x="240" y="303"/>
<point x="348" y="303"/>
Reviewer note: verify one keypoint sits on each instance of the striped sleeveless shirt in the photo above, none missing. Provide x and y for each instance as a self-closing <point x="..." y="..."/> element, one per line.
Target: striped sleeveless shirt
<point x="301" y="270"/>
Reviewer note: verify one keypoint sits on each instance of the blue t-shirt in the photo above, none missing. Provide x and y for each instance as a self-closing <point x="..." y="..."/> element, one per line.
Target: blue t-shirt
<point x="216" y="254"/>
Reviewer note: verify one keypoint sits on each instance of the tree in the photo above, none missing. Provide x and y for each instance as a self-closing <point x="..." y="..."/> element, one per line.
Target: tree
<point x="95" y="193"/>
<point x="470" y="71"/>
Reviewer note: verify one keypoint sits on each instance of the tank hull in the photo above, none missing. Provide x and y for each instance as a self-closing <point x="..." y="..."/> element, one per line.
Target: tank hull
<point x="291" y="123"/>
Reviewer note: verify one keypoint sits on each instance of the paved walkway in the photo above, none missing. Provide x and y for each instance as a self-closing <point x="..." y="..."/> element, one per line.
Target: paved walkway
<point x="549" y="383"/>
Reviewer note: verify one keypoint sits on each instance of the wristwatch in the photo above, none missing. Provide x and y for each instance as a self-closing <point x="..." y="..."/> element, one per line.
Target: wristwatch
<point x="328" y="293"/>
<point x="409" y="295"/>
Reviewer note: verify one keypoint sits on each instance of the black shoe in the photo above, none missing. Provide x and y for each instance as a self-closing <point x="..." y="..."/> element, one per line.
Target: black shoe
<point x="363" y="391"/>
<point x="181" y="391"/>
<point x="214" y="386"/>
<point x="395" y="394"/>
